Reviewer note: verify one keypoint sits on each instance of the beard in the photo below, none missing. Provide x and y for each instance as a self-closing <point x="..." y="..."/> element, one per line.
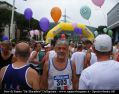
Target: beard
<point x="61" y="55"/>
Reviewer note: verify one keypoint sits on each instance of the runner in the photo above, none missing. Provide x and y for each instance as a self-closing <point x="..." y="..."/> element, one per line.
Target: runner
<point x="104" y="74"/>
<point x="19" y="76"/>
<point x="59" y="72"/>
<point x="78" y="58"/>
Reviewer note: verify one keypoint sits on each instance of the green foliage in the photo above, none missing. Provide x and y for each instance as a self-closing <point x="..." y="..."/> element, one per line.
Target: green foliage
<point x="5" y="16"/>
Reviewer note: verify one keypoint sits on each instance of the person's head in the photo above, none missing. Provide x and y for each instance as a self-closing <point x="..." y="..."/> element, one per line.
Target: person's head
<point x="37" y="46"/>
<point x="47" y="47"/>
<point x="6" y="46"/>
<point x="72" y="44"/>
<point x="79" y="47"/>
<point x="103" y="45"/>
<point x="53" y="42"/>
<point x="22" y="51"/>
<point x="115" y="43"/>
<point x="88" y="44"/>
<point x="13" y="45"/>
<point x="61" y="48"/>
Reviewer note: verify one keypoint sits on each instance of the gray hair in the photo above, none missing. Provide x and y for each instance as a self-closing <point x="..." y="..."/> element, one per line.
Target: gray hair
<point x="61" y="41"/>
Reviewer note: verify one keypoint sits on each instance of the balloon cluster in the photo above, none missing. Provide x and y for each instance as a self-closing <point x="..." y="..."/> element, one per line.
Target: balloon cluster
<point x="108" y="31"/>
<point x="85" y="11"/>
<point x="105" y="31"/>
<point x="34" y="32"/>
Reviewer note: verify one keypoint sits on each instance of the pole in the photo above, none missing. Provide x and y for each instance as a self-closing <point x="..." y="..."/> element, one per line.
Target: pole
<point x="12" y="20"/>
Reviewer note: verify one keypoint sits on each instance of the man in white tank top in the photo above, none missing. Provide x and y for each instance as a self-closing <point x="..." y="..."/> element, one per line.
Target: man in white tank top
<point x="59" y="73"/>
<point x="104" y="74"/>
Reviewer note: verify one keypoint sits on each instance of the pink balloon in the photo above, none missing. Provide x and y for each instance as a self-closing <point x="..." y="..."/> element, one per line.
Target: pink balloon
<point x="32" y="33"/>
<point x="98" y="2"/>
<point x="36" y="32"/>
<point x="74" y="25"/>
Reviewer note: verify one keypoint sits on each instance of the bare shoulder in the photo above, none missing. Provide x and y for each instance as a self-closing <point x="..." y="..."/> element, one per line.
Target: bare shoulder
<point x="32" y="75"/>
<point x="2" y="71"/>
<point x="32" y="71"/>
<point x="33" y="79"/>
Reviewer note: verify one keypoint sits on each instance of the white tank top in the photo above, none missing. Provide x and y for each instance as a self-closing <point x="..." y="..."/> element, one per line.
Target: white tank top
<point x="37" y="58"/>
<point x="60" y="79"/>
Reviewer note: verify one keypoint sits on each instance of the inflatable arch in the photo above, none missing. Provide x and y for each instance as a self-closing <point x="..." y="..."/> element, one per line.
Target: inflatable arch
<point x="68" y="27"/>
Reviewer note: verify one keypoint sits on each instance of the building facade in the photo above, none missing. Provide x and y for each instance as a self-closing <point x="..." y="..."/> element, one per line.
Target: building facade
<point x="113" y="21"/>
<point x="6" y="27"/>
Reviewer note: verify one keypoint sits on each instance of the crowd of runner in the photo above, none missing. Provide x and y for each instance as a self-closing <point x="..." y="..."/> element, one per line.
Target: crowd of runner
<point x="59" y="65"/>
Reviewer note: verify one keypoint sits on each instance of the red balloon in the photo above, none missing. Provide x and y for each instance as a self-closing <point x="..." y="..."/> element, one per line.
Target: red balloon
<point x="63" y="36"/>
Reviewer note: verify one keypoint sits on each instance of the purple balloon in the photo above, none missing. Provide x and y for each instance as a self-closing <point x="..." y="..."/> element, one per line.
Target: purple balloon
<point x="5" y="38"/>
<point x="78" y="30"/>
<point x="44" y="24"/>
<point x="28" y="13"/>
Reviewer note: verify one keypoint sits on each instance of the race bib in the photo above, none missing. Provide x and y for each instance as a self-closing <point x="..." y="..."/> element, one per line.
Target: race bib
<point x="61" y="82"/>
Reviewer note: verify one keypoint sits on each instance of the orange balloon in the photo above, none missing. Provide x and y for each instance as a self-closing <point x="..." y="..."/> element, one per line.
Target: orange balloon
<point x="56" y="14"/>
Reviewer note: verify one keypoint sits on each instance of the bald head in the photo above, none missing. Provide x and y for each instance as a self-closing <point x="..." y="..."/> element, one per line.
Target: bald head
<point x="22" y="50"/>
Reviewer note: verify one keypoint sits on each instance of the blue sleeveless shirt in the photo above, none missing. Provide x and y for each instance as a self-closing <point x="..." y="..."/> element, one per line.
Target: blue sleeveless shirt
<point x="15" y="78"/>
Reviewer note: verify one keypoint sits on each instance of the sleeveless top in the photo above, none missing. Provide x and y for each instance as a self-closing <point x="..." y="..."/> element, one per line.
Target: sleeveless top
<point x="60" y="79"/>
<point x="37" y="58"/>
<point x="5" y="62"/>
<point x="15" y="78"/>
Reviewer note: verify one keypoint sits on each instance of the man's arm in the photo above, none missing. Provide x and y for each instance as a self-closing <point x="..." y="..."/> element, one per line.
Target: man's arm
<point x="74" y="80"/>
<point x="44" y="82"/>
<point x="33" y="79"/>
<point x="1" y="75"/>
<point x="33" y="59"/>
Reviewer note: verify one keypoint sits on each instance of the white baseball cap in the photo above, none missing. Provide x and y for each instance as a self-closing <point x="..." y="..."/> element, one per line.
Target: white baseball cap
<point x="103" y="43"/>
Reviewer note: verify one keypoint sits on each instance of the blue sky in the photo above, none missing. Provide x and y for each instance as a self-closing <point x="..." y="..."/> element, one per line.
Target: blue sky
<point x="42" y="8"/>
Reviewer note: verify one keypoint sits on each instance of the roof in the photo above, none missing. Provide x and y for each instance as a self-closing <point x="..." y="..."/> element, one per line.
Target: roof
<point x="113" y="8"/>
<point x="4" y="2"/>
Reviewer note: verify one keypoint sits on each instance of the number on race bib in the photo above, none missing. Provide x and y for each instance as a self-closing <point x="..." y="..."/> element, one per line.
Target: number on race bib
<point x="61" y="82"/>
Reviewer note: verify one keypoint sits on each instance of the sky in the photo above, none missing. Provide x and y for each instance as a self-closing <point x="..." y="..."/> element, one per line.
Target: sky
<point x="42" y="8"/>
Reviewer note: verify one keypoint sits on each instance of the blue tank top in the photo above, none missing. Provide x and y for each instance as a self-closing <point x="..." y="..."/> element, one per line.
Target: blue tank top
<point x="15" y="78"/>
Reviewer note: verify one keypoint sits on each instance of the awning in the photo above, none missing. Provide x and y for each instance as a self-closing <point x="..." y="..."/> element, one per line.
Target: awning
<point x="116" y="24"/>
